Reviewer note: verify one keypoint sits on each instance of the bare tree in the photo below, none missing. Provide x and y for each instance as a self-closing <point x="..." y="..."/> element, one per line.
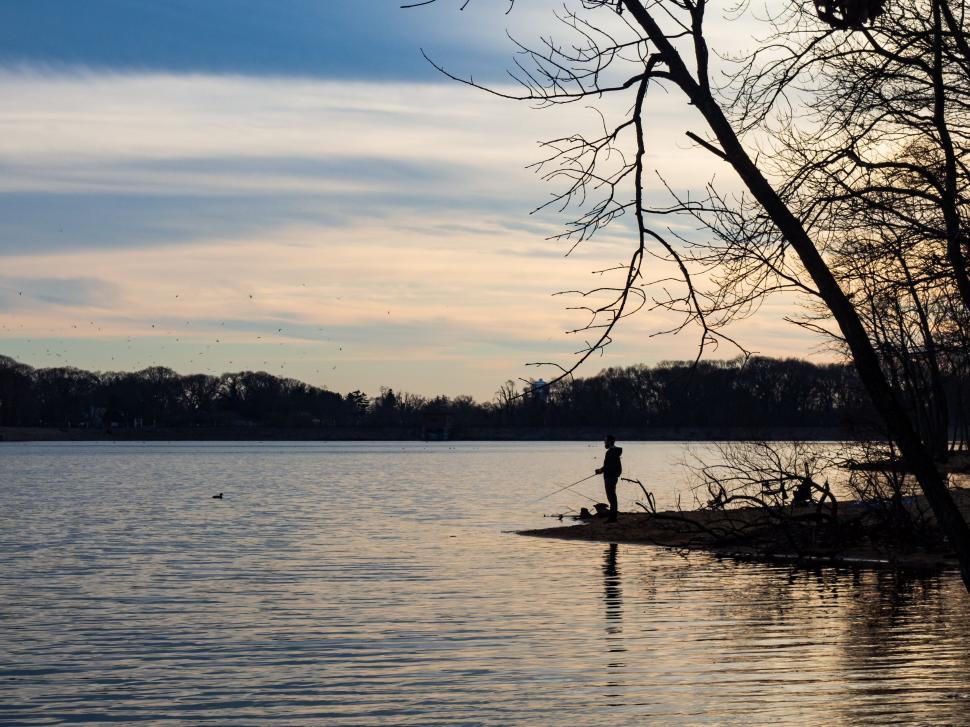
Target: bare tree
<point x="876" y="165"/>
<point x="770" y="238"/>
<point x="505" y="397"/>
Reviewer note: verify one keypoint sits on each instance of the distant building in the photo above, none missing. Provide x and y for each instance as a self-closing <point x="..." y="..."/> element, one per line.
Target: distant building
<point x="540" y="390"/>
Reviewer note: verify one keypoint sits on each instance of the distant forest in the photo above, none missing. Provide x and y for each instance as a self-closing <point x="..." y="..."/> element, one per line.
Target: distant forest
<point x="759" y="392"/>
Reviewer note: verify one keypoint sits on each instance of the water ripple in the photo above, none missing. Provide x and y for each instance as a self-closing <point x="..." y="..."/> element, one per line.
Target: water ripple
<point x="370" y="583"/>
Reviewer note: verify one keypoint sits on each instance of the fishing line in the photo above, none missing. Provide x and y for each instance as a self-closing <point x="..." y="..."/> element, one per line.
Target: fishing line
<point x="572" y="484"/>
<point x="577" y="492"/>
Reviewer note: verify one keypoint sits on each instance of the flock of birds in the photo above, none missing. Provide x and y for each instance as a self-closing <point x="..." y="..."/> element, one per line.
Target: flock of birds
<point x="177" y="338"/>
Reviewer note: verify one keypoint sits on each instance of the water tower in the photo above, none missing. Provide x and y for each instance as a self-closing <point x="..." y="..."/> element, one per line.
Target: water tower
<point x="541" y="390"/>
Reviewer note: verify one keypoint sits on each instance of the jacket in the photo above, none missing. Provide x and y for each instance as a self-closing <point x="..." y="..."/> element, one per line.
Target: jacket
<point x="611" y="462"/>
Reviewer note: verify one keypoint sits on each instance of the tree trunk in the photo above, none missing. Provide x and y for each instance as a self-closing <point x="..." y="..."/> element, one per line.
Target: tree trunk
<point x="864" y="356"/>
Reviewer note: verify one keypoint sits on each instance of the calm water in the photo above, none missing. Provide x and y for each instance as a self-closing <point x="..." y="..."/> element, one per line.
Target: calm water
<point x="373" y="584"/>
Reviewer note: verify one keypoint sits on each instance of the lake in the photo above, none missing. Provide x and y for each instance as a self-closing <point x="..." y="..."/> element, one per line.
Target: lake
<point x="376" y="583"/>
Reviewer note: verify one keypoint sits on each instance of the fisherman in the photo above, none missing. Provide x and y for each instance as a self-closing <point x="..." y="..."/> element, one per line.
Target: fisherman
<point x="611" y="471"/>
<point x="803" y="493"/>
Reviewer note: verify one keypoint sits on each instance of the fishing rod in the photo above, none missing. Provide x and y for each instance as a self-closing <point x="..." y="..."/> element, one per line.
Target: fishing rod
<point x="577" y="492"/>
<point x="573" y="484"/>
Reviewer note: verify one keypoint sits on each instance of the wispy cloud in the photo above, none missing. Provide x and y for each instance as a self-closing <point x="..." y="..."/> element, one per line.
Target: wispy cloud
<point x="346" y="39"/>
<point x="218" y="222"/>
<point x="19" y="293"/>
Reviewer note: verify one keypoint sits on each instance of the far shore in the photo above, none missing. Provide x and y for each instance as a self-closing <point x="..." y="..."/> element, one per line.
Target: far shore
<point x="404" y="434"/>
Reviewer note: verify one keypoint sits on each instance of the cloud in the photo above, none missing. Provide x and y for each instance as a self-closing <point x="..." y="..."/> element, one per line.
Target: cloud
<point x="336" y="39"/>
<point x="109" y="160"/>
<point x="18" y="293"/>
<point x="351" y="298"/>
<point x="393" y="216"/>
<point x="86" y="122"/>
<point x="346" y="39"/>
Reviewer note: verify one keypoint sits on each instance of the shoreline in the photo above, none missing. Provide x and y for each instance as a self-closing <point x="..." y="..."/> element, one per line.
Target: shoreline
<point x="415" y="434"/>
<point x="695" y="530"/>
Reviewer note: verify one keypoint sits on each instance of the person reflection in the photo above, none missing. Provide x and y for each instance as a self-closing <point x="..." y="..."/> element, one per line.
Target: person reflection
<point x="612" y="593"/>
<point x="613" y="598"/>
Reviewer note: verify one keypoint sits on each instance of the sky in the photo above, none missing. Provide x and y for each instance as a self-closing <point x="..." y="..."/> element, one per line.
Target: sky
<point x="289" y="186"/>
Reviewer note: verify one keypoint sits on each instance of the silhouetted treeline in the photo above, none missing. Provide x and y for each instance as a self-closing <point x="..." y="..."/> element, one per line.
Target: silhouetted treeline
<point x="762" y="392"/>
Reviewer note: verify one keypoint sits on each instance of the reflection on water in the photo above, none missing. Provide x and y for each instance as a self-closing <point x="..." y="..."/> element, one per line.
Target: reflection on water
<point x="613" y="600"/>
<point x="371" y="583"/>
<point x="612" y="593"/>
